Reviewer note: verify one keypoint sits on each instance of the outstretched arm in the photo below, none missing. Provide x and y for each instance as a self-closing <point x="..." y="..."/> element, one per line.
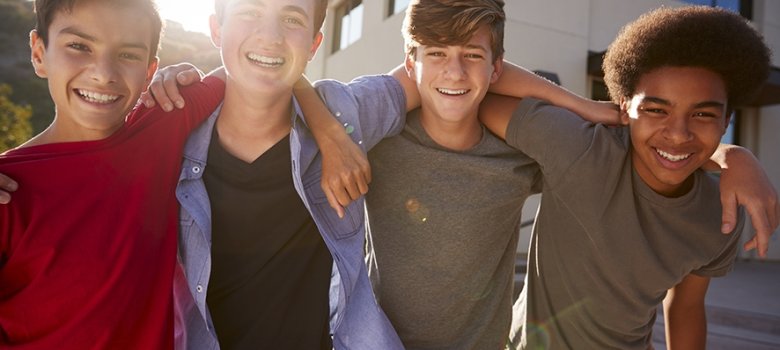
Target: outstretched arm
<point x="519" y="82"/>
<point x="684" y="315"/>
<point x="744" y="182"/>
<point x="345" y="169"/>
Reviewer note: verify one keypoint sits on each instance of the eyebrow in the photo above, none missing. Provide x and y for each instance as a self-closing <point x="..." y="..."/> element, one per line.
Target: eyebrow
<point x="703" y="104"/>
<point x="74" y="31"/>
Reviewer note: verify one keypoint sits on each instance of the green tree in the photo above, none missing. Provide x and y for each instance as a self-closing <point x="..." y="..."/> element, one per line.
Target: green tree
<point x="15" y="125"/>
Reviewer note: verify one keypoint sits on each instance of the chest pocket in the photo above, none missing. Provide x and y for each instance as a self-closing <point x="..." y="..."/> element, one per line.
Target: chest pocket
<point x="339" y="228"/>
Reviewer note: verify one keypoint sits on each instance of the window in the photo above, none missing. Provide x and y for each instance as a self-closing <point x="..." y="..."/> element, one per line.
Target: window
<point x="743" y="7"/>
<point x="349" y="24"/>
<point x="397" y="6"/>
<point x="732" y="130"/>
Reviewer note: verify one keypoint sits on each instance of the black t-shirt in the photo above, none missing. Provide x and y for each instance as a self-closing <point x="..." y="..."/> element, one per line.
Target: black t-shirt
<point x="271" y="270"/>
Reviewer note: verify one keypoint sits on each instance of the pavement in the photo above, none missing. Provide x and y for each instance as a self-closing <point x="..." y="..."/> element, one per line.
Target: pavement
<point x="743" y="307"/>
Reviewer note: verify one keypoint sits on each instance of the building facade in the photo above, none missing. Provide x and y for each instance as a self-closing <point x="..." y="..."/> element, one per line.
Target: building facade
<point x="562" y="40"/>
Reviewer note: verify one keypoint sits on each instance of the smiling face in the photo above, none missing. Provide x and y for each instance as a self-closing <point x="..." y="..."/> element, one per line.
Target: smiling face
<point x="453" y="80"/>
<point x="677" y="117"/>
<point x="266" y="44"/>
<point x="97" y="63"/>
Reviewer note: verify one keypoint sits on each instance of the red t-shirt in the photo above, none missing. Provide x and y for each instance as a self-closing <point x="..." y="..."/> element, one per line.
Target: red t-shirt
<point x="88" y="243"/>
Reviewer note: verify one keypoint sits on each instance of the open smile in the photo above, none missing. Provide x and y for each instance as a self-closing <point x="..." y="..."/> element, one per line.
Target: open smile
<point x="453" y="92"/>
<point x="266" y="61"/>
<point x="96" y="97"/>
<point x="672" y="157"/>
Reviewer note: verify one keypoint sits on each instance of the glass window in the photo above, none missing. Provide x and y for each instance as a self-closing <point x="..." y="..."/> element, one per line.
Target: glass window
<point x="733" y="5"/>
<point x="397" y="6"/>
<point x="349" y="24"/>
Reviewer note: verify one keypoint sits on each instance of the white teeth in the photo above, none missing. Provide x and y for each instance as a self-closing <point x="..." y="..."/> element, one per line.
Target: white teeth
<point x="95" y="97"/>
<point x="452" y="91"/>
<point x="672" y="157"/>
<point x="266" y="61"/>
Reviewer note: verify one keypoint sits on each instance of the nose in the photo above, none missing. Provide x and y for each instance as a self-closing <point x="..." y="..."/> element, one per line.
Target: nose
<point x="676" y="129"/>
<point x="104" y="69"/>
<point x="454" y="69"/>
<point x="270" y="32"/>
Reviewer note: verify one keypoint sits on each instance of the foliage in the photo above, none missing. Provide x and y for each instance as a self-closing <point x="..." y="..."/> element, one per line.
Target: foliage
<point x="15" y="125"/>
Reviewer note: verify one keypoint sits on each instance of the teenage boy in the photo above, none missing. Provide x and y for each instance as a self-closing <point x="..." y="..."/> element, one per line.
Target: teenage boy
<point x="250" y="288"/>
<point x="627" y="218"/>
<point x="88" y="246"/>
<point x="494" y="335"/>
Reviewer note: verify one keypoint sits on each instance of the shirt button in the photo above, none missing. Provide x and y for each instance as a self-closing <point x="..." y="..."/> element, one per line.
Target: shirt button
<point x="196" y="170"/>
<point x="338" y="114"/>
<point x="199" y="288"/>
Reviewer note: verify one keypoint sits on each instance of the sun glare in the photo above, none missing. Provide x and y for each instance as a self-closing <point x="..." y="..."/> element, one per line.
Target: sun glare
<point x="192" y="14"/>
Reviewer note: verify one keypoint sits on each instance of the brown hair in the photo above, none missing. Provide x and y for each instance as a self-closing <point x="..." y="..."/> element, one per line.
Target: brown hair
<point x="453" y="22"/>
<point x="45" y="10"/>
<point x="696" y="36"/>
<point x="320" y="9"/>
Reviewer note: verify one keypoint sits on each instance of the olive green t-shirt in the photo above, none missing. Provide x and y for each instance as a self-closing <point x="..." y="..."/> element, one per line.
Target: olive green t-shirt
<point x="605" y="247"/>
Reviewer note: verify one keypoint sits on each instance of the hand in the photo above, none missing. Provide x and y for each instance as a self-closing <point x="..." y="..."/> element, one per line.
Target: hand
<point x="346" y="172"/>
<point x="6" y="186"/>
<point x="746" y="184"/>
<point x="164" y="87"/>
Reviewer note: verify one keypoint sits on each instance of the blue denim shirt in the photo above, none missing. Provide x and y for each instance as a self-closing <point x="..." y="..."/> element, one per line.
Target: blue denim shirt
<point x="370" y="108"/>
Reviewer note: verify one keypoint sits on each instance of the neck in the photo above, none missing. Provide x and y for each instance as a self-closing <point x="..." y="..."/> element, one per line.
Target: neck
<point x="455" y="135"/>
<point x="62" y="130"/>
<point x="251" y="123"/>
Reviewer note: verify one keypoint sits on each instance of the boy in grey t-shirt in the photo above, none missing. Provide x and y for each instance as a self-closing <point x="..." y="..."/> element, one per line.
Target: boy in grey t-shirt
<point x="627" y="219"/>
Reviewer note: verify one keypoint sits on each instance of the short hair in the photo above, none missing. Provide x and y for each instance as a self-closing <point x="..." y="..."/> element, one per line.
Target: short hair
<point x="694" y="36"/>
<point x="453" y="22"/>
<point x="320" y="9"/>
<point x="45" y="10"/>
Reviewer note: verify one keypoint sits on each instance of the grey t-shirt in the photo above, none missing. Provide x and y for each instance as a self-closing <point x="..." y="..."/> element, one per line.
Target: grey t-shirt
<point x="605" y="247"/>
<point x="444" y="226"/>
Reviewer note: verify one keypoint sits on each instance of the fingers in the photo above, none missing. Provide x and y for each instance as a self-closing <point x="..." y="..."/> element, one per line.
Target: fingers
<point x="729" y="215"/>
<point x="761" y="222"/>
<point x="171" y="85"/>
<point x="157" y="90"/>
<point x="147" y="99"/>
<point x="7" y="185"/>
<point x="334" y="203"/>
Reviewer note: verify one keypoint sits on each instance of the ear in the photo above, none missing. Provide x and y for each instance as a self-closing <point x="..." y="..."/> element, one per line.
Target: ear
<point x="409" y="64"/>
<point x="498" y="67"/>
<point x="315" y="45"/>
<point x="625" y="104"/>
<point x="151" y="70"/>
<point x="216" y="31"/>
<point x="37" y="51"/>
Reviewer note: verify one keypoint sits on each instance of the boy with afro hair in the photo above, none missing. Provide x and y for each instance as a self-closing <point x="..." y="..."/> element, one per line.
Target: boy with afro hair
<point x="628" y="220"/>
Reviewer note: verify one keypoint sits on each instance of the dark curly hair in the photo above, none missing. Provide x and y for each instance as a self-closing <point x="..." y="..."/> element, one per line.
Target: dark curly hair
<point x="694" y="36"/>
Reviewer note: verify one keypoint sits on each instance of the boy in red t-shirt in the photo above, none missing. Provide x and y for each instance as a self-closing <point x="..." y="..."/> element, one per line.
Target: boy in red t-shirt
<point x="88" y="248"/>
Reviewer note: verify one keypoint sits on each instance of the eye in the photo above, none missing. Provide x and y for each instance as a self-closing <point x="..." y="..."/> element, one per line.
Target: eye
<point x="705" y="115"/>
<point x="130" y="56"/>
<point x="251" y="14"/>
<point x="435" y="54"/>
<point x="78" y="46"/>
<point x="293" y="20"/>
<point x="652" y="110"/>
<point x="474" y="56"/>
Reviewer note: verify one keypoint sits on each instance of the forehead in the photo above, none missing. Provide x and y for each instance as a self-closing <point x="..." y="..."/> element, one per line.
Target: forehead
<point x="290" y="5"/>
<point x="479" y="40"/>
<point x="104" y="22"/>
<point x="682" y="84"/>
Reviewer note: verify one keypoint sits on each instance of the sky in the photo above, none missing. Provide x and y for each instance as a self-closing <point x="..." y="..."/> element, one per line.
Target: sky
<point x="192" y="14"/>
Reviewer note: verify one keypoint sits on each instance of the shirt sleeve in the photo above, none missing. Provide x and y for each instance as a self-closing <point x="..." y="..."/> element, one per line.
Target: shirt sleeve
<point x="558" y="139"/>
<point x="723" y="264"/>
<point x="200" y="100"/>
<point x="376" y="102"/>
